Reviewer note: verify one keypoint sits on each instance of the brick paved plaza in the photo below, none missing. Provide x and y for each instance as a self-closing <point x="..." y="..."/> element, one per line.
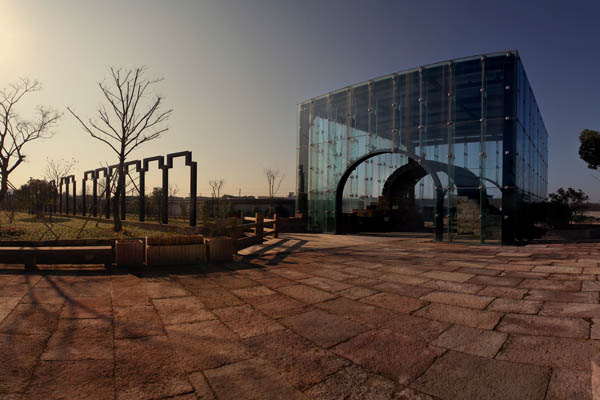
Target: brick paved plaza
<point x="335" y="317"/>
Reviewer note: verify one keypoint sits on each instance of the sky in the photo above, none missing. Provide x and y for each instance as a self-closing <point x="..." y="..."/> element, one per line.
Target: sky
<point x="234" y="71"/>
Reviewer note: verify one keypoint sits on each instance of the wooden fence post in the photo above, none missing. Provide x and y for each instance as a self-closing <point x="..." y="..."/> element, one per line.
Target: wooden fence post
<point x="275" y="226"/>
<point x="259" y="228"/>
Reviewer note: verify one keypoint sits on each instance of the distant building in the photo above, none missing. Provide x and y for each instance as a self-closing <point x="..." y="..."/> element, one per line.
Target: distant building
<point x="457" y="146"/>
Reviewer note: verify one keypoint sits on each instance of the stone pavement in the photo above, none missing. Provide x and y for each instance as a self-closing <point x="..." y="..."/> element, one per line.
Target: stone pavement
<point x="334" y="317"/>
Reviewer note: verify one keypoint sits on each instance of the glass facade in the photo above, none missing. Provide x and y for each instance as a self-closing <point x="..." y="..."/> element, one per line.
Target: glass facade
<point x="454" y="146"/>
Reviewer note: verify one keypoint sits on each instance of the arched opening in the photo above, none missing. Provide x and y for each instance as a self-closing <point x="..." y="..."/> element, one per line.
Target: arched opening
<point x="400" y="183"/>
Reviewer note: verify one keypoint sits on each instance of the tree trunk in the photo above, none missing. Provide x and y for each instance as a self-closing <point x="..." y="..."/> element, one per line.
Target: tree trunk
<point x="3" y="187"/>
<point x="120" y="191"/>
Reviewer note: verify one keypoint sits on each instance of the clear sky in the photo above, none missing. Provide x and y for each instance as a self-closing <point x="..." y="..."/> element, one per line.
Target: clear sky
<point x="235" y="70"/>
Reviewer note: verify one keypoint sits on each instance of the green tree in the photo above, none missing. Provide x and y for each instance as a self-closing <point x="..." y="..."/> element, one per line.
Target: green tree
<point x="589" y="148"/>
<point x="575" y="200"/>
<point x="37" y="194"/>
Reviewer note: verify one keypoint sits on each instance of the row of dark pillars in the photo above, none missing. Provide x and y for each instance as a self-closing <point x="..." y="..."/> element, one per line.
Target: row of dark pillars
<point x="141" y="166"/>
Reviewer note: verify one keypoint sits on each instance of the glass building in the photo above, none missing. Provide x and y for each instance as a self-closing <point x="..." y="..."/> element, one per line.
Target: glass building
<point x="454" y="148"/>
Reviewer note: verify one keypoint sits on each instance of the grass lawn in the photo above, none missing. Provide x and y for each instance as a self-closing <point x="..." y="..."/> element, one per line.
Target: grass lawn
<point x="28" y="227"/>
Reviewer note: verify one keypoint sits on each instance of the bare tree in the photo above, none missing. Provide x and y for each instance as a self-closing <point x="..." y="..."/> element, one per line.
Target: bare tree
<point x="56" y="169"/>
<point x="16" y="132"/>
<point x="274" y="181"/>
<point x="132" y="119"/>
<point x="215" y="186"/>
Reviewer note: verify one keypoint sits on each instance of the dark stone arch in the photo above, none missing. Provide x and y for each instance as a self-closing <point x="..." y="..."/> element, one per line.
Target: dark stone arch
<point x="67" y="180"/>
<point x="339" y="193"/>
<point x="92" y="174"/>
<point x="104" y="170"/>
<point x="193" y="180"/>
<point x="165" y="185"/>
<point x="138" y="168"/>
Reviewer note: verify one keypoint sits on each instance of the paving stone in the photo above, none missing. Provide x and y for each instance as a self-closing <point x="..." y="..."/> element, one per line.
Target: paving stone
<point x="276" y="282"/>
<point x="515" y="306"/>
<point x="595" y="330"/>
<point x="147" y="368"/>
<point x="6" y="305"/>
<point x="164" y="289"/>
<point x="14" y="290"/>
<point x="31" y="319"/>
<point x="43" y="296"/>
<point x="363" y="282"/>
<point x="459" y="299"/>
<point x="401" y="269"/>
<point x="479" y="271"/>
<point x="201" y="388"/>
<point x="505" y="292"/>
<point x="415" y="327"/>
<point x="306" y="294"/>
<point x="557" y="269"/>
<point x="550" y="351"/>
<point x="19" y="354"/>
<point x="495" y="281"/>
<point x="447" y="276"/>
<point x="181" y="310"/>
<point x="196" y="282"/>
<point x="87" y="307"/>
<point x="246" y="321"/>
<point x="250" y="379"/>
<point x="252" y="292"/>
<point x="571" y="310"/>
<point x="277" y="305"/>
<point x="357" y="292"/>
<point x="129" y="293"/>
<point x="591" y="286"/>
<point x="231" y="281"/>
<point x="545" y="284"/>
<point x="358" y="311"/>
<point x="566" y="297"/>
<point x="86" y="379"/>
<point x="569" y="384"/>
<point x="217" y="298"/>
<point x="322" y="328"/>
<point x="460" y="315"/>
<point x="397" y="357"/>
<point x="513" y="254"/>
<point x="403" y="279"/>
<point x="447" y="286"/>
<point x="474" y="341"/>
<point x="411" y="394"/>
<point x="80" y="339"/>
<point x="206" y="344"/>
<point x="526" y="275"/>
<point x="402" y="290"/>
<point x="138" y="321"/>
<point x="463" y="376"/>
<point x="544" y="326"/>
<point x="299" y="361"/>
<point x="331" y="274"/>
<point x="290" y="274"/>
<point x="325" y="284"/>
<point x="394" y="302"/>
<point x="352" y="383"/>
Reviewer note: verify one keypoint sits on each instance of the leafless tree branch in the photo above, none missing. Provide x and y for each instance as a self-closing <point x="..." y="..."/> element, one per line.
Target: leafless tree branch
<point x="133" y="119"/>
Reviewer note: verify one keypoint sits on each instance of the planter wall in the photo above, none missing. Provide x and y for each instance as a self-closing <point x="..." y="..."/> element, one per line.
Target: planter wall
<point x="219" y="248"/>
<point x="129" y="252"/>
<point x="174" y="255"/>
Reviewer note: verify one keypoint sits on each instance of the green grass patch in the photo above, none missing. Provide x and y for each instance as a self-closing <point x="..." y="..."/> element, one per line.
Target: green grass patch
<point x="27" y="227"/>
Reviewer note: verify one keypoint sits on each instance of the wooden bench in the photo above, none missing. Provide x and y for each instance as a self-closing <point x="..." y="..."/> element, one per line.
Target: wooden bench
<point x="29" y="255"/>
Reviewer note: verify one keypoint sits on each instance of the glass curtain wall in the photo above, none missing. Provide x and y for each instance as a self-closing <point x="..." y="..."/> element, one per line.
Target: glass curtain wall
<point x="452" y="119"/>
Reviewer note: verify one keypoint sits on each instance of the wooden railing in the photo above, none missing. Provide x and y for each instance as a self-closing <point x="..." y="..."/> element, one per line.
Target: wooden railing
<point x="259" y="227"/>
